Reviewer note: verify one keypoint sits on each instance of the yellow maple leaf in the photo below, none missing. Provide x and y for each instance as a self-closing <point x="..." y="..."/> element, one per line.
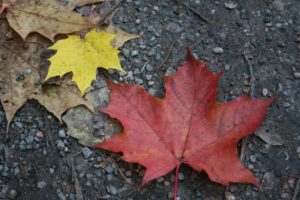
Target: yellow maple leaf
<point x="83" y="57"/>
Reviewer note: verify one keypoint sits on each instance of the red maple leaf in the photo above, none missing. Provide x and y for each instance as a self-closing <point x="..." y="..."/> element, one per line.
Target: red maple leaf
<point x="188" y="126"/>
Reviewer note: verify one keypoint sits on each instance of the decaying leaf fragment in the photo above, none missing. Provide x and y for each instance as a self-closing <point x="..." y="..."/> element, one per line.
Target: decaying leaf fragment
<point x="18" y="80"/>
<point x="121" y="36"/>
<point x="83" y="57"/>
<point x="188" y="126"/>
<point x="47" y="17"/>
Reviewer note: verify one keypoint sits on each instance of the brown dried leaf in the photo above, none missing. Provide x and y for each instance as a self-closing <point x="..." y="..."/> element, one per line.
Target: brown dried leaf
<point x="47" y="17"/>
<point x="20" y="80"/>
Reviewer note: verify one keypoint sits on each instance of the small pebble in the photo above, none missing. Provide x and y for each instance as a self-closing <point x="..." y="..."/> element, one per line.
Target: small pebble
<point x="138" y="21"/>
<point x="113" y="190"/>
<point x="109" y="169"/>
<point x="250" y="166"/>
<point x="134" y="53"/>
<point x="229" y="196"/>
<point x="61" y="196"/>
<point x="12" y="194"/>
<point x="167" y="183"/>
<point x="230" y="5"/>
<point x="86" y="152"/>
<point x="148" y="77"/>
<point x="51" y="170"/>
<point x="128" y="173"/>
<point x="285" y="195"/>
<point x="41" y="184"/>
<point x="149" y="67"/>
<point x="218" y="50"/>
<point x="278" y="5"/>
<point x="62" y="133"/>
<point x="297" y="75"/>
<point x="264" y="92"/>
<point x="160" y="179"/>
<point x="60" y="145"/>
<point x="39" y="134"/>
<point x="180" y="176"/>
<point x="268" y="181"/>
<point x="252" y="159"/>
<point x="151" y="83"/>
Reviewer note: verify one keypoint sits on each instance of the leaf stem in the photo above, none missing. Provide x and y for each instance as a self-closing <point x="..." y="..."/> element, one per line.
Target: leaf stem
<point x="176" y="181"/>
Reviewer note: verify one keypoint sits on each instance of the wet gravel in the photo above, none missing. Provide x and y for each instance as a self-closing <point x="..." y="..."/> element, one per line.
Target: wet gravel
<point x="38" y="160"/>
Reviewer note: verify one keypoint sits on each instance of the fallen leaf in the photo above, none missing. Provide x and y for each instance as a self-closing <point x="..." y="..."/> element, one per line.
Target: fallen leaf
<point x="269" y="135"/>
<point x="59" y="98"/>
<point x="121" y="36"/>
<point x="20" y="80"/>
<point x="47" y="17"/>
<point x="188" y="126"/>
<point x="83" y="57"/>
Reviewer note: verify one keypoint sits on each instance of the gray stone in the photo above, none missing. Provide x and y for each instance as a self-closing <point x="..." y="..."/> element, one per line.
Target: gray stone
<point x="86" y="152"/>
<point x="18" y="125"/>
<point x="180" y="176"/>
<point x="51" y="170"/>
<point x="61" y="195"/>
<point x="230" y="5"/>
<point x="278" y="5"/>
<point x="218" y="50"/>
<point x="152" y="91"/>
<point x="137" y="21"/>
<point x="113" y="190"/>
<point x="16" y="171"/>
<point x="41" y="184"/>
<point x="62" y="133"/>
<point x="157" y="56"/>
<point x="12" y="194"/>
<point x="297" y="75"/>
<point x="134" y="53"/>
<point x="150" y="83"/>
<point x="29" y="139"/>
<point x="149" y="67"/>
<point x="252" y="159"/>
<point x="264" y="92"/>
<point x="60" y="145"/>
<point x="148" y="77"/>
<point x="268" y="181"/>
<point x="142" y="46"/>
<point x="109" y="169"/>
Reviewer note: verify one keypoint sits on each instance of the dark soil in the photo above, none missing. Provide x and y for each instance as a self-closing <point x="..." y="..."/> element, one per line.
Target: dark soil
<point x="39" y="161"/>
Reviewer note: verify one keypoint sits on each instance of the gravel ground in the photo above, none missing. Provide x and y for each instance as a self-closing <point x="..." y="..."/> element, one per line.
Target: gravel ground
<point x="257" y="45"/>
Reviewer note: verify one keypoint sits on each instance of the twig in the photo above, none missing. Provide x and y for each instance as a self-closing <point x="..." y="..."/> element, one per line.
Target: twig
<point x="109" y="12"/>
<point x="48" y="135"/>
<point x="252" y="78"/>
<point x="243" y="148"/>
<point x="167" y="56"/>
<point x="122" y="174"/>
<point x="296" y="189"/>
<point x="194" y="11"/>
<point x="143" y="67"/>
<point x="78" y="188"/>
<point x="252" y="86"/>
